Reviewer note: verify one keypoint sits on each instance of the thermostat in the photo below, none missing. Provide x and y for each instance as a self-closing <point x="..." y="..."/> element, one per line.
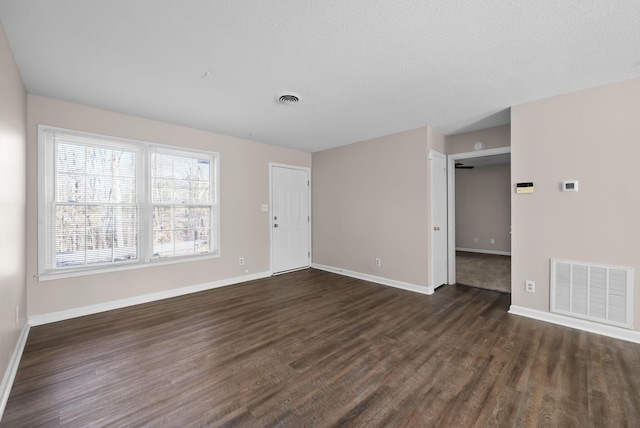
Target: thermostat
<point x="570" y="186"/>
<point x="524" y="187"/>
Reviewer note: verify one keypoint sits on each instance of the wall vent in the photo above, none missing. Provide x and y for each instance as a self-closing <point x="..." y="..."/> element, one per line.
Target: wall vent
<point x="594" y="292"/>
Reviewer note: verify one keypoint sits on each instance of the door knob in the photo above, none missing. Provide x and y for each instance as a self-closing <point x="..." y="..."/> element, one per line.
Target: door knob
<point x="275" y="225"/>
<point x="436" y="228"/>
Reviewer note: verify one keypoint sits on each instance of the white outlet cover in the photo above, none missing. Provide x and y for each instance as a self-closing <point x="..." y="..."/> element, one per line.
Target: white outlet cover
<point x="530" y="286"/>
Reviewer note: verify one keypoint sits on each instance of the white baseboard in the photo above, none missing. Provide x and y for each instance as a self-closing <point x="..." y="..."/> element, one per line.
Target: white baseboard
<point x="118" y="304"/>
<point x="12" y="369"/>
<point x="592" y="327"/>
<point x="476" y="250"/>
<point x="377" y="279"/>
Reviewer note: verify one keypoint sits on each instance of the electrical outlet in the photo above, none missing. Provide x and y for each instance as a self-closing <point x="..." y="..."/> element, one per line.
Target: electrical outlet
<point x="493" y="241"/>
<point x="241" y="261"/>
<point x="530" y="286"/>
<point x="475" y="240"/>
<point x="378" y="263"/>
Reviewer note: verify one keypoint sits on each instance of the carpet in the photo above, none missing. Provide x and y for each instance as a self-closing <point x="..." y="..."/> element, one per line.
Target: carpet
<point x="488" y="271"/>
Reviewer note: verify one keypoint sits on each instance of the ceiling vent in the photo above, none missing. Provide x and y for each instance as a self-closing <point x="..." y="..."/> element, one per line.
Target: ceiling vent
<point x="288" y="98"/>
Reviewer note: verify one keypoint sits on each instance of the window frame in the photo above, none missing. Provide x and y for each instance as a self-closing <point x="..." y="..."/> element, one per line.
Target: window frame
<point x="46" y="233"/>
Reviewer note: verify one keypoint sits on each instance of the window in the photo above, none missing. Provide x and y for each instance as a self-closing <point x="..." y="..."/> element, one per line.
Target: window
<point x="107" y="202"/>
<point x="181" y="198"/>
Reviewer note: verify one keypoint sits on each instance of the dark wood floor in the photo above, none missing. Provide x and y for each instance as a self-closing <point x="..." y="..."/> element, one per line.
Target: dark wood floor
<point x="312" y="348"/>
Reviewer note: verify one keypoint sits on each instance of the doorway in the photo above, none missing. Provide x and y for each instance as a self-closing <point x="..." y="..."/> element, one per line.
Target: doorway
<point x="290" y="217"/>
<point x="480" y="257"/>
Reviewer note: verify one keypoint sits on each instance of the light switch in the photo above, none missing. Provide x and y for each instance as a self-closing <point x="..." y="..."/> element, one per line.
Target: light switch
<point x="265" y="207"/>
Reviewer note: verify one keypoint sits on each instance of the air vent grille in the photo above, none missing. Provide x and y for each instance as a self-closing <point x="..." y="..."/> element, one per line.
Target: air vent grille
<point x="288" y="98"/>
<point x="595" y="292"/>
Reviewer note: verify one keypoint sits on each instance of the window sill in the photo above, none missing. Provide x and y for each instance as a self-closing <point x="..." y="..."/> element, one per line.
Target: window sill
<point x="49" y="276"/>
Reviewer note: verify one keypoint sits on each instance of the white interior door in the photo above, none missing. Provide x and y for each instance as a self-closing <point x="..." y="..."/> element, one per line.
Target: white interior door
<point x="438" y="218"/>
<point x="290" y="218"/>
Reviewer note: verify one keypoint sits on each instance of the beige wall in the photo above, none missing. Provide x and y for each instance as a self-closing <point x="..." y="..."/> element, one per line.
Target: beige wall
<point x="436" y="140"/>
<point x="590" y="136"/>
<point x="13" y="117"/>
<point x="500" y="136"/>
<point x="244" y="179"/>
<point x="370" y="200"/>
<point x="483" y="207"/>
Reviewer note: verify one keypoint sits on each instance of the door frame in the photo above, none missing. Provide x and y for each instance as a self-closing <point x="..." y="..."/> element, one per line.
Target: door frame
<point x="299" y="168"/>
<point x="451" y="200"/>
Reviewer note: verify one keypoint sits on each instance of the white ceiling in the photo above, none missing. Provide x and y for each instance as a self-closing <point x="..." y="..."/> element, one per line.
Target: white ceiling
<point x="364" y="68"/>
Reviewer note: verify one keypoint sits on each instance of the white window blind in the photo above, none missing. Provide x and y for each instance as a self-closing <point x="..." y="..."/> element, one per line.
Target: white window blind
<point x="109" y="202"/>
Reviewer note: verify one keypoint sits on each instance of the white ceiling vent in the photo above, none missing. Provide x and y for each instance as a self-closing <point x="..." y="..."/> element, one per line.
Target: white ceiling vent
<point x="288" y="98"/>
